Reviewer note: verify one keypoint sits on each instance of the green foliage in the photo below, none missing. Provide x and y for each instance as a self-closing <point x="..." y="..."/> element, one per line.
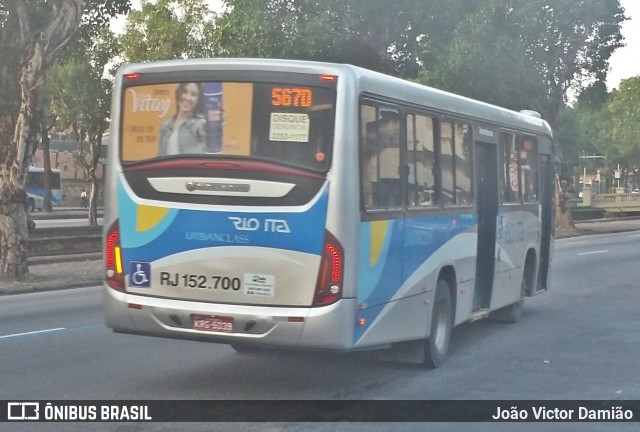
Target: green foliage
<point x="624" y="124"/>
<point x="604" y="124"/>
<point x="79" y="96"/>
<point x="97" y="15"/>
<point x="485" y="61"/>
<point x="169" y="29"/>
<point x="382" y="35"/>
<point x="523" y="54"/>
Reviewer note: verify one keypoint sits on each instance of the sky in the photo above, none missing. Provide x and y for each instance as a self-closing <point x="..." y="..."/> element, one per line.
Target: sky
<point x="624" y="63"/>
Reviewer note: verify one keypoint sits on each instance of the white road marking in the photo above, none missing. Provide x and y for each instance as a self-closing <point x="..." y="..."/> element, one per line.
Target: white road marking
<point x="594" y="252"/>
<point x="31" y="333"/>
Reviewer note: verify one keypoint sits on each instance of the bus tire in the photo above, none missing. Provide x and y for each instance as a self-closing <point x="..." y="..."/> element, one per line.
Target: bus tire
<point x="31" y="205"/>
<point x="437" y="344"/>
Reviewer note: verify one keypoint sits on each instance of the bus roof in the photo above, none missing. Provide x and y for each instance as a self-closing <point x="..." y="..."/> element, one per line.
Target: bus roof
<point x="367" y="81"/>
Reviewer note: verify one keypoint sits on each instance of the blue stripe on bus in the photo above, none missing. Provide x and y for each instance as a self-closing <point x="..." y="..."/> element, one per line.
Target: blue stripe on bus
<point x="180" y="230"/>
<point x="391" y="251"/>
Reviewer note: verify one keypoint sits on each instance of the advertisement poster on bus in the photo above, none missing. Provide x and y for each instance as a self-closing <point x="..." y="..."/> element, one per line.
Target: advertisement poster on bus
<point x="186" y="118"/>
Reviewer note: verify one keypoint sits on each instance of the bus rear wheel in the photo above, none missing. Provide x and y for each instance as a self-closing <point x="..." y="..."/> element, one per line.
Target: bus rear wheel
<point x="31" y="205"/>
<point x="437" y="344"/>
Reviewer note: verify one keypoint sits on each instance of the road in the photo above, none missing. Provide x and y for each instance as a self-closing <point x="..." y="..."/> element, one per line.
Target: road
<point x="581" y="340"/>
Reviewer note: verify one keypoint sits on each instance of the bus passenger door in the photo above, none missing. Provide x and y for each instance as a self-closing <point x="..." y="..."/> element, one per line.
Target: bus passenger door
<point x="487" y="181"/>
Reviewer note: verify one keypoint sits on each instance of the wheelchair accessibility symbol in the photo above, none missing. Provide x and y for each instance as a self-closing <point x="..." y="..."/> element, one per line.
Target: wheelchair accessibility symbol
<point x="140" y="274"/>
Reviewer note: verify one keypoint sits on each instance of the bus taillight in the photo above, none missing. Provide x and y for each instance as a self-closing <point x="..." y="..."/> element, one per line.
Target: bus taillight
<point x="329" y="285"/>
<point x="132" y="76"/>
<point x="113" y="259"/>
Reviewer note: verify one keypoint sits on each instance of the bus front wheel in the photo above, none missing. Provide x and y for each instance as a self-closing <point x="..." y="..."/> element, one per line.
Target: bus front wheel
<point x="31" y="205"/>
<point x="437" y="344"/>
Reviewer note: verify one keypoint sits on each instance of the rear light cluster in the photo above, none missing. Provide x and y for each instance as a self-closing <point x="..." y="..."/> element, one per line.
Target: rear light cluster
<point x="114" y="275"/>
<point x="132" y="76"/>
<point x="330" y="277"/>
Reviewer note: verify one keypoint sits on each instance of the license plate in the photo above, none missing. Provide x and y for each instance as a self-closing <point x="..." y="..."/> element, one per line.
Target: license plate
<point x="213" y="323"/>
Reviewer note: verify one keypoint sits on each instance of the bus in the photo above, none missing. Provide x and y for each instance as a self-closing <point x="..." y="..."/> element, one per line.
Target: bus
<point x="35" y="188"/>
<point x="295" y="204"/>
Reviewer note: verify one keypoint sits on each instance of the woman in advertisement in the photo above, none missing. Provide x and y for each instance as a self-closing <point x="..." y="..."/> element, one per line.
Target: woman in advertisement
<point x="184" y="133"/>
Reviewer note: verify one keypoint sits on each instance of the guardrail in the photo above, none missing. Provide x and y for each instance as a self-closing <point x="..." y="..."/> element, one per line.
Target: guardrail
<point x="622" y="202"/>
<point x="65" y="240"/>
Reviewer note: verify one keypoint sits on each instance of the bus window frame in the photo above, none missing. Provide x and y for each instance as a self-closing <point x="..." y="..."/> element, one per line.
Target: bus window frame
<point x="437" y="179"/>
<point x="536" y="153"/>
<point x="464" y="122"/>
<point x="379" y="213"/>
<point x="502" y="161"/>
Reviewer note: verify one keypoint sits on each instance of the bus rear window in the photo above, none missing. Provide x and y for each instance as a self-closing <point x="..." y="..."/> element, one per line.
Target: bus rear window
<point x="289" y="124"/>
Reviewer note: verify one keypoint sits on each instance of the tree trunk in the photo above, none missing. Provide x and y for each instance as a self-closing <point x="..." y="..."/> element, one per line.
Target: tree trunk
<point x="93" y="201"/>
<point x="96" y="149"/>
<point x="13" y="210"/>
<point x="13" y="215"/>
<point x="37" y="49"/>
<point x="564" y="220"/>
<point x="13" y="239"/>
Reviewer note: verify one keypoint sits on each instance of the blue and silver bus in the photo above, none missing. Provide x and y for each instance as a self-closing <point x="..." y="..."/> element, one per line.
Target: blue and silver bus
<point x="295" y="204"/>
<point x="35" y="188"/>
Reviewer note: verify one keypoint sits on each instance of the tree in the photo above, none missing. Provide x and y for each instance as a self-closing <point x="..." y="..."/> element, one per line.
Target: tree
<point x="376" y="34"/>
<point x="624" y="121"/>
<point x="531" y="55"/>
<point x="580" y="132"/>
<point x="522" y="54"/>
<point x="33" y="33"/>
<point x="96" y="16"/>
<point x="80" y="99"/>
<point x="169" y="29"/>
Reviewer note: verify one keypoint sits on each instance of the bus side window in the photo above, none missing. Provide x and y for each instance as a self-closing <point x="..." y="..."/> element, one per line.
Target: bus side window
<point x="420" y="161"/>
<point x="464" y="192"/>
<point x="447" y="163"/>
<point x="455" y="157"/>
<point x="529" y="169"/>
<point x="380" y="157"/>
<point x="509" y="177"/>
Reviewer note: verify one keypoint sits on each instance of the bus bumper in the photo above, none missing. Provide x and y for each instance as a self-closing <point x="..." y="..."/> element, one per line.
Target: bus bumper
<point x="327" y="327"/>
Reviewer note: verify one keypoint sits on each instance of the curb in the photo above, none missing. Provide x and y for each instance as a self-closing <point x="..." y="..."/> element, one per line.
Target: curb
<point x="587" y="232"/>
<point x="609" y="219"/>
<point x="53" y="259"/>
<point x="35" y="287"/>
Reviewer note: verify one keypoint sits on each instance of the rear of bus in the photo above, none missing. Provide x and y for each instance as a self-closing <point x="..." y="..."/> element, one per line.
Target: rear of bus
<point x="36" y="188"/>
<point x="217" y="196"/>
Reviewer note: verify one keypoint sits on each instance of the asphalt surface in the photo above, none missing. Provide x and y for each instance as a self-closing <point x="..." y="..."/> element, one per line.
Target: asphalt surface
<point x="74" y="271"/>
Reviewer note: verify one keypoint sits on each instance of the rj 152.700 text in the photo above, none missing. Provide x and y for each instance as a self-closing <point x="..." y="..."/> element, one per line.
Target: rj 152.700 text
<point x="200" y="281"/>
